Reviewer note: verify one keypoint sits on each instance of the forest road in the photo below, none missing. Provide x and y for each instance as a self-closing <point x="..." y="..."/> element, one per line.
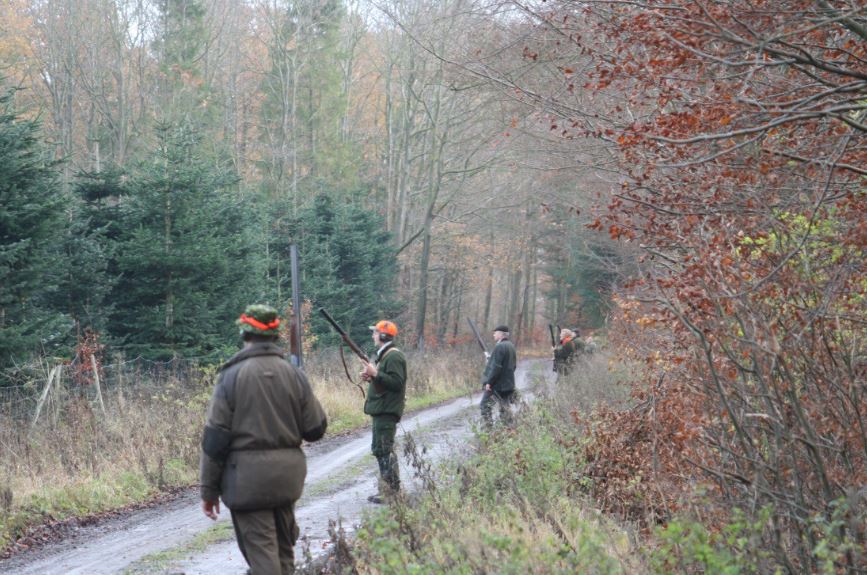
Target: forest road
<point x="168" y="539"/>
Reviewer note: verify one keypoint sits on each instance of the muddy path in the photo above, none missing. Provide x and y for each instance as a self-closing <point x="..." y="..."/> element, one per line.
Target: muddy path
<point x="177" y="538"/>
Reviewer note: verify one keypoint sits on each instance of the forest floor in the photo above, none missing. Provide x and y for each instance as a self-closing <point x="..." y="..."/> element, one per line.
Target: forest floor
<point x="175" y="537"/>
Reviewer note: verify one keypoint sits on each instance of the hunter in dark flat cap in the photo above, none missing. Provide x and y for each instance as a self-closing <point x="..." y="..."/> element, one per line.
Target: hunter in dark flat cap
<point x="498" y="380"/>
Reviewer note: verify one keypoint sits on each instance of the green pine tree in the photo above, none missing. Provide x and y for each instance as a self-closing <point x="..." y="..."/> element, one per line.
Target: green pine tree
<point x="180" y="45"/>
<point x="31" y="210"/>
<point x="87" y="243"/>
<point x="583" y="275"/>
<point x="348" y="266"/>
<point x="304" y="105"/>
<point x="188" y="261"/>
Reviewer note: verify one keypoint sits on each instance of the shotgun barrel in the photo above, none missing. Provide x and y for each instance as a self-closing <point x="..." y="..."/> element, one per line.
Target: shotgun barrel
<point x="478" y="337"/>
<point x="352" y="345"/>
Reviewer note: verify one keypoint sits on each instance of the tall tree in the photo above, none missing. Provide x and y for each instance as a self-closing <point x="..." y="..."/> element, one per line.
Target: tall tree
<point x="302" y="113"/>
<point x="181" y="43"/>
<point x="30" y="228"/>
<point x="349" y="265"/>
<point x="188" y="261"/>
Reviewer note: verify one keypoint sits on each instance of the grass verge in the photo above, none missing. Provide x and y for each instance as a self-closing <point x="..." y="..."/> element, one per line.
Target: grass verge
<point x="516" y="506"/>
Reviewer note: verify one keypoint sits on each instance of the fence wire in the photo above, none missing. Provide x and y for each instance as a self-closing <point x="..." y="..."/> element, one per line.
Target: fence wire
<point x="131" y="378"/>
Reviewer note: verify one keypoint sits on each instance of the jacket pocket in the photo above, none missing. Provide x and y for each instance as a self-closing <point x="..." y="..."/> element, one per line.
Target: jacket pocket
<point x="263" y="479"/>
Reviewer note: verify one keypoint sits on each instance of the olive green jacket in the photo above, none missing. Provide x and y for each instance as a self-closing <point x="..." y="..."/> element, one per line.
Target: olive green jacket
<point x="261" y="410"/>
<point x="386" y="393"/>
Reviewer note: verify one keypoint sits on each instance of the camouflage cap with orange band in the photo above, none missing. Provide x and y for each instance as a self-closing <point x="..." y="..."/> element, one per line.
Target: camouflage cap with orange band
<point x="259" y="319"/>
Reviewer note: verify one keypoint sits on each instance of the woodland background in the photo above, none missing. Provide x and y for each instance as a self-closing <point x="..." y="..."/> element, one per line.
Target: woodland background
<point x="184" y="145"/>
<point x="688" y="174"/>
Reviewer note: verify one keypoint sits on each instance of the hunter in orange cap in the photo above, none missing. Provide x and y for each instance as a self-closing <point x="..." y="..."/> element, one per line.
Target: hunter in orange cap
<point x="386" y="398"/>
<point x="385" y="327"/>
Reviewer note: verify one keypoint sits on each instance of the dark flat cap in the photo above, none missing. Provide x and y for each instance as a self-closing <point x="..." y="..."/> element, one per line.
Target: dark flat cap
<point x="502" y="328"/>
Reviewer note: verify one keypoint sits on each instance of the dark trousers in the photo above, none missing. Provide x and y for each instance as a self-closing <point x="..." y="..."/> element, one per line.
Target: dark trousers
<point x="503" y="399"/>
<point x="382" y="447"/>
<point x="267" y="539"/>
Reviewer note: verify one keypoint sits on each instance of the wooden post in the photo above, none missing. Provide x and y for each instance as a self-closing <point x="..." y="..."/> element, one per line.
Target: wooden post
<point x="55" y="401"/>
<point x="96" y="383"/>
<point x="44" y="395"/>
<point x="120" y="399"/>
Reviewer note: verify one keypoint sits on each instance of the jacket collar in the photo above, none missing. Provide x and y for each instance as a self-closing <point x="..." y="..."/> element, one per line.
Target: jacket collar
<point x="379" y="353"/>
<point x="254" y="350"/>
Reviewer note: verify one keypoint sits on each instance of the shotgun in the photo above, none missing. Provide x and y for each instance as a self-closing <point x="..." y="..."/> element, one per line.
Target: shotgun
<point x="553" y="338"/>
<point x="348" y="341"/>
<point x="478" y="337"/>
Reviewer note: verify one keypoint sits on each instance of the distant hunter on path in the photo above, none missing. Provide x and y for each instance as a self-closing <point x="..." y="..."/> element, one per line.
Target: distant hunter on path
<point x="386" y="399"/>
<point x="261" y="410"/>
<point x="568" y="351"/>
<point x="498" y="380"/>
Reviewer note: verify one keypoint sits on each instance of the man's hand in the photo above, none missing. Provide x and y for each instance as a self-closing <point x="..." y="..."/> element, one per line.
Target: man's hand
<point x="487" y="355"/>
<point x="211" y="509"/>
<point x="487" y="387"/>
<point x="369" y="371"/>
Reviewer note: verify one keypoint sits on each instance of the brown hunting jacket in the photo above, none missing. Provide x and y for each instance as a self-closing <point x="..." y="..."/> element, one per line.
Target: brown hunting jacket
<point x="261" y="410"/>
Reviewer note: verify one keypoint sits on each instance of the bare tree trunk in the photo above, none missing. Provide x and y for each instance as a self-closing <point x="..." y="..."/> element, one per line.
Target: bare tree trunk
<point x="533" y="299"/>
<point x="424" y="265"/>
<point x="525" y="298"/>
<point x="514" y="297"/>
<point x="489" y="293"/>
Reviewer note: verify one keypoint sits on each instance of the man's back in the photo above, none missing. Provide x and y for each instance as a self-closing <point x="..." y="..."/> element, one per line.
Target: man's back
<point x="500" y="371"/>
<point x="261" y="410"/>
<point x="271" y="401"/>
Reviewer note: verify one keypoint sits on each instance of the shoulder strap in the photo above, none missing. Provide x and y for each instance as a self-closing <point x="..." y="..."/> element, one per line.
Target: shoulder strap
<point x="388" y="351"/>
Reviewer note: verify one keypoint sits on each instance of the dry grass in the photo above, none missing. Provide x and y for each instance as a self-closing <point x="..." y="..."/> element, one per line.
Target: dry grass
<point x="598" y="379"/>
<point x="78" y="461"/>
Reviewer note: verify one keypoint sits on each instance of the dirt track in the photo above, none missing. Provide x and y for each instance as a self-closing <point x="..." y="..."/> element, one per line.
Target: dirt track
<point x="341" y="474"/>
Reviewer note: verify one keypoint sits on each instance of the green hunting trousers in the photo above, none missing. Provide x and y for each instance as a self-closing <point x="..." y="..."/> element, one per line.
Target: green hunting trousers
<point x="267" y="539"/>
<point x="382" y="447"/>
<point x="503" y="400"/>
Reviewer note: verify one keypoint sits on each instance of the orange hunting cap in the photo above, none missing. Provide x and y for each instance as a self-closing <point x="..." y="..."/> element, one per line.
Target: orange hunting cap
<point x="386" y="327"/>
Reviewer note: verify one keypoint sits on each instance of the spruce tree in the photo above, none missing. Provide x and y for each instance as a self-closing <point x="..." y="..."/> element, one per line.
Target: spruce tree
<point x="87" y="244"/>
<point x="30" y="222"/>
<point x="348" y="266"/>
<point x="583" y="274"/>
<point x="304" y="103"/>
<point x="188" y="262"/>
